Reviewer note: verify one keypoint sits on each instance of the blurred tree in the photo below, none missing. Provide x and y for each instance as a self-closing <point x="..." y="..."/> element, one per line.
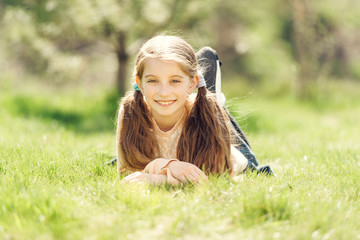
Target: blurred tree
<point x="278" y="41"/>
<point x="313" y="44"/>
<point x="320" y="42"/>
<point x="304" y="38"/>
<point x="249" y="40"/>
<point x="74" y="25"/>
<point x="272" y="43"/>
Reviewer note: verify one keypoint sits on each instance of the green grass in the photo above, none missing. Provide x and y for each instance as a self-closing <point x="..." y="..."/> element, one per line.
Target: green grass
<point x="55" y="185"/>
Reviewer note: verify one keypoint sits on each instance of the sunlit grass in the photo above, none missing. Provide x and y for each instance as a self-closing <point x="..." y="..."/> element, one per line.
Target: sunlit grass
<point x="55" y="185"/>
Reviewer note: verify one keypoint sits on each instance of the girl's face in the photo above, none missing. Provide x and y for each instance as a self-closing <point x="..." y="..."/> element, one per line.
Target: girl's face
<point x="165" y="88"/>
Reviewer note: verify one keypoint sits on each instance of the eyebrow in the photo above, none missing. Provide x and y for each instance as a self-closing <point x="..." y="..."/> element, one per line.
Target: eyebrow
<point x="151" y="75"/>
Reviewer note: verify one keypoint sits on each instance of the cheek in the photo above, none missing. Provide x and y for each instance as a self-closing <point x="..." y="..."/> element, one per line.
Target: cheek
<point x="184" y="92"/>
<point x="148" y="91"/>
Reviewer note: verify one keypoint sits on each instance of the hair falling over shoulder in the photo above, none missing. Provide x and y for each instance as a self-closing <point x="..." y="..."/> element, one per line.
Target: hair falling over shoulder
<point x="137" y="144"/>
<point x="206" y="137"/>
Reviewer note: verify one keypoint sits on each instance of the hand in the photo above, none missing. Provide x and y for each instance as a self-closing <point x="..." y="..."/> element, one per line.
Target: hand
<point x="184" y="172"/>
<point x="141" y="177"/>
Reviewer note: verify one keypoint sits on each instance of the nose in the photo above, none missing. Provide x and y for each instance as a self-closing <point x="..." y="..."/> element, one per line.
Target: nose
<point x="164" y="90"/>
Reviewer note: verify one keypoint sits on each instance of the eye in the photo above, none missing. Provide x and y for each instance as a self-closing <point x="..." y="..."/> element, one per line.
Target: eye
<point x="151" y="81"/>
<point x="175" y="81"/>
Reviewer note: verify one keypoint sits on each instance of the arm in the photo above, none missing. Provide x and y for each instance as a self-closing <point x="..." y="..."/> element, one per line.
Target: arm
<point x="142" y="177"/>
<point x="173" y="171"/>
<point x="185" y="172"/>
<point x="155" y="172"/>
<point x="176" y="171"/>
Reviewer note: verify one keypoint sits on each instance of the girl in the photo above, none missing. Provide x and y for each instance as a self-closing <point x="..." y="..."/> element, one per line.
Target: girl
<point x="164" y="134"/>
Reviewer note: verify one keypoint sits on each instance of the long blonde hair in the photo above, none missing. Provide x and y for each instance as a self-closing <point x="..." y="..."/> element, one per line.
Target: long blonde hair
<point x="205" y="138"/>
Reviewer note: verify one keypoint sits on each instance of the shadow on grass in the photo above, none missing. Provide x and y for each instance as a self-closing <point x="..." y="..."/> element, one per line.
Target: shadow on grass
<point x="82" y="116"/>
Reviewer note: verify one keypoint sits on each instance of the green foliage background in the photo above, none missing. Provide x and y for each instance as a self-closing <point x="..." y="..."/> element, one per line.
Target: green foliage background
<point x="276" y="44"/>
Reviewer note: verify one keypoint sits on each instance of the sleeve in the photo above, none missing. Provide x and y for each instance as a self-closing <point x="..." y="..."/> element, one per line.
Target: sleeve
<point x="238" y="161"/>
<point x="159" y="166"/>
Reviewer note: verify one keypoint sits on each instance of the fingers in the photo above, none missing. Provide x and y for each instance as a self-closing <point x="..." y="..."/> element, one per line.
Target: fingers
<point x="135" y="177"/>
<point x="194" y="175"/>
<point x="131" y="177"/>
<point x="187" y="172"/>
<point x="135" y="181"/>
<point x="141" y="177"/>
<point x="174" y="181"/>
<point x="202" y="175"/>
<point x="198" y="175"/>
<point x="183" y="179"/>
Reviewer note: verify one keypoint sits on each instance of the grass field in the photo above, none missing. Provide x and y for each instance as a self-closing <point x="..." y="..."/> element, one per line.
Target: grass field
<point x="55" y="185"/>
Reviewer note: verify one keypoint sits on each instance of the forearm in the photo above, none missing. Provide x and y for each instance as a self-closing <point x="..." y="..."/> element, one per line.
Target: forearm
<point x="158" y="165"/>
<point x="142" y="177"/>
<point x="176" y="171"/>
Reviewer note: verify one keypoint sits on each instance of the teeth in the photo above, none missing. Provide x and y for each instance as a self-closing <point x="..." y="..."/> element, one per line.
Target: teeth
<point x="165" y="103"/>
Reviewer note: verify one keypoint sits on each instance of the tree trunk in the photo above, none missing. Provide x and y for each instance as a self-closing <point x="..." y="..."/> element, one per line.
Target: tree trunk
<point x="122" y="57"/>
<point x="303" y="38"/>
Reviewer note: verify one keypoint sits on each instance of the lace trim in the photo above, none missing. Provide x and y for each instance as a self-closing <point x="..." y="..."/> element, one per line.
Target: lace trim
<point x="168" y="140"/>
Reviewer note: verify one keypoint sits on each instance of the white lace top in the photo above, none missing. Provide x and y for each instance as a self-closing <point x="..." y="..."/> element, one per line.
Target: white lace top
<point x="168" y="140"/>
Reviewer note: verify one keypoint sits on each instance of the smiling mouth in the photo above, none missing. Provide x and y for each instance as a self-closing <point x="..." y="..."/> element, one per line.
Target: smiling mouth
<point x="165" y="103"/>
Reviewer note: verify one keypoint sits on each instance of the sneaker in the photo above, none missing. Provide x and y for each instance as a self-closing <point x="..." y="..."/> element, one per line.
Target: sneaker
<point x="111" y="162"/>
<point x="209" y="62"/>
